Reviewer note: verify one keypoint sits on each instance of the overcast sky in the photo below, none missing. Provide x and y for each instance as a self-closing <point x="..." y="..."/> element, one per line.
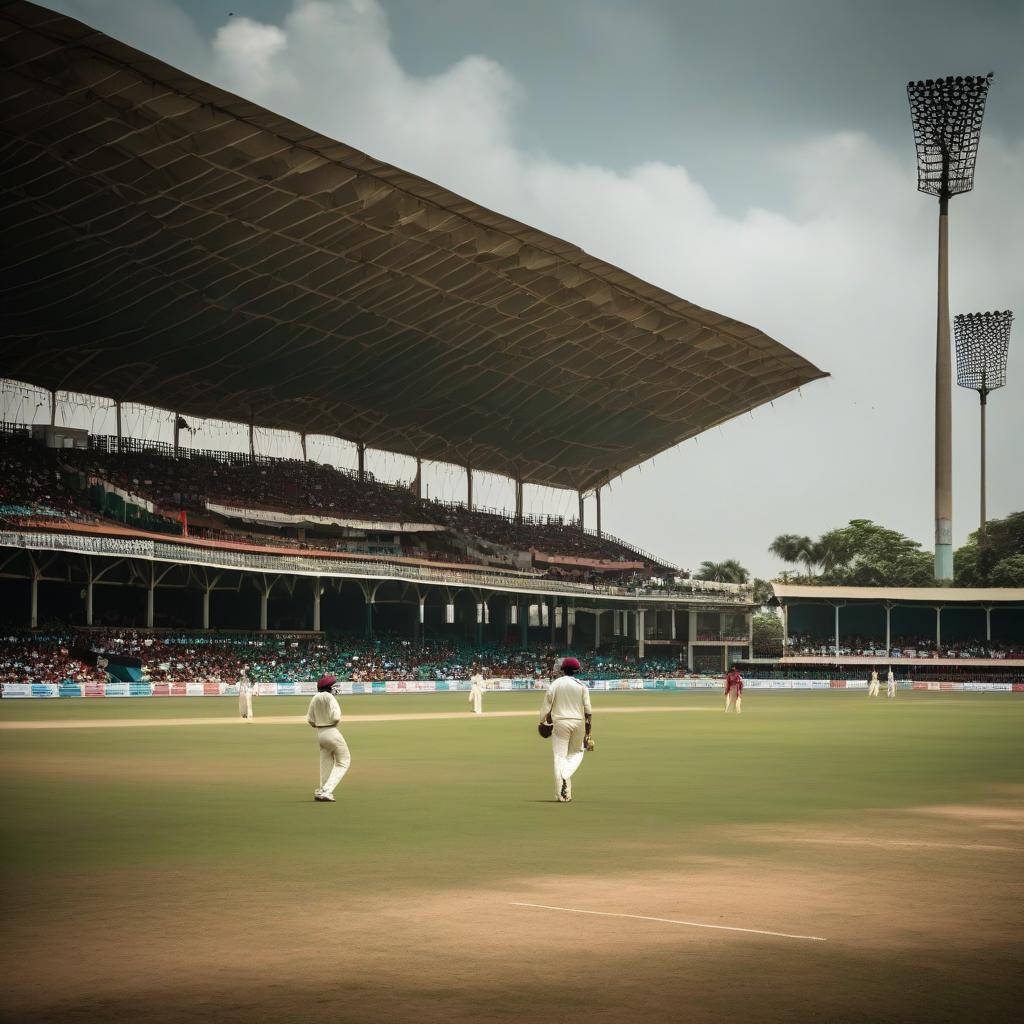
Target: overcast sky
<point x="752" y="156"/>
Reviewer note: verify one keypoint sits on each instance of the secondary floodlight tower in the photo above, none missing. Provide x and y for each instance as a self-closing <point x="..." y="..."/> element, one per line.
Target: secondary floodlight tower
<point x="982" y="348"/>
<point x="947" y="114"/>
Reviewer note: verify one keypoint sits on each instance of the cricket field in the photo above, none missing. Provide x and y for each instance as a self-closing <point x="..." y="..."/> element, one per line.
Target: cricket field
<point x="822" y="857"/>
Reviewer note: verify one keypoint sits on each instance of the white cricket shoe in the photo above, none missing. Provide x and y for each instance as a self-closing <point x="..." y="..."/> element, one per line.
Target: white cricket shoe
<point x="325" y="798"/>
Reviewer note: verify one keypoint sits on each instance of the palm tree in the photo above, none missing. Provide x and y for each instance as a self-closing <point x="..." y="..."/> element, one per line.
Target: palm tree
<point x="790" y="547"/>
<point x="729" y="571"/>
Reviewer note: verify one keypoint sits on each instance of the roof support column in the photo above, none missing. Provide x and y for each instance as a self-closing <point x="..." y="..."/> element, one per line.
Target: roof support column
<point x="361" y="452"/>
<point x="469" y="487"/>
<point x="938" y="630"/>
<point x="579" y="494"/>
<point x="117" y="416"/>
<point x="988" y="624"/>
<point x="597" y="629"/>
<point x="151" y="598"/>
<point x="302" y="441"/>
<point x="418" y="480"/>
<point x="641" y="631"/>
<point x="177" y="432"/>
<point x="524" y="625"/>
<point x="519" y="499"/>
<point x="206" y="608"/>
<point x="888" y="629"/>
<point x="317" y="591"/>
<point x="53" y="408"/>
<point x="33" y="603"/>
<point x="837" y="630"/>
<point x="252" y="436"/>
<point x="597" y="497"/>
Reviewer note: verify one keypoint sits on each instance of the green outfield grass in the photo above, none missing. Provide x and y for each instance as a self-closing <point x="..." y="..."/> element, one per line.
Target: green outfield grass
<point x="155" y="858"/>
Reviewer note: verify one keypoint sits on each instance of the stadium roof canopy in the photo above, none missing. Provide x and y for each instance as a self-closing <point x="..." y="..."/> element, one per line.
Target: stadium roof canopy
<point x="897" y="595"/>
<point x="169" y="243"/>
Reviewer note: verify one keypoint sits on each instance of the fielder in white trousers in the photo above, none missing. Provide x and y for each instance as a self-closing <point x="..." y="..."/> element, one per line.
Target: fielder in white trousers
<point x="245" y="688"/>
<point x="890" y="685"/>
<point x="873" y="685"/>
<point x="324" y="715"/>
<point x="568" y="703"/>
<point x="476" y="693"/>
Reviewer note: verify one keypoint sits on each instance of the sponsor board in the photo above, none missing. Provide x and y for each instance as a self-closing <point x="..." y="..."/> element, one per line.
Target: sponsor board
<point x="307" y="687"/>
<point x="17" y="691"/>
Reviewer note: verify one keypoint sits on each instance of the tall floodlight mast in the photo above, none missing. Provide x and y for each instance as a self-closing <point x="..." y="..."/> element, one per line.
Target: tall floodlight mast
<point x="982" y="348"/>
<point x="946" y="113"/>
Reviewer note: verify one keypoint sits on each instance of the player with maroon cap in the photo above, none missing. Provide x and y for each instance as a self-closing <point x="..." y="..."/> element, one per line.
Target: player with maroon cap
<point x="734" y="690"/>
<point x="324" y="715"/>
<point x="567" y="707"/>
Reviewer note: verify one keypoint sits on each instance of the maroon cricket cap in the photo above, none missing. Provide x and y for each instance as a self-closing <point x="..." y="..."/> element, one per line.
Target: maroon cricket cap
<point x="570" y="663"/>
<point x="326" y="682"/>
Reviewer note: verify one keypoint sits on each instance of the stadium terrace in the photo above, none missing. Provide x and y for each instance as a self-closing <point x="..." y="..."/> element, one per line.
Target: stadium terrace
<point x="167" y="243"/>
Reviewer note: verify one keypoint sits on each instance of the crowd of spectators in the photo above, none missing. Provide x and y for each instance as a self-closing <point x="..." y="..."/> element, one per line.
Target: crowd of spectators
<point x="31" y="484"/>
<point x="25" y="658"/>
<point x="804" y="644"/>
<point x="34" y="484"/>
<point x="222" y="657"/>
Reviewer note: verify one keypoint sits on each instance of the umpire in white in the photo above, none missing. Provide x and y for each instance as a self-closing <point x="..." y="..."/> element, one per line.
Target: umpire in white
<point x="324" y="715"/>
<point x="568" y="704"/>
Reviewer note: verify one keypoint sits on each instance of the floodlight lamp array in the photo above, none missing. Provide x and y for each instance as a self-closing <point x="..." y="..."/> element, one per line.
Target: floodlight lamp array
<point x="947" y="114"/>
<point x="982" y="349"/>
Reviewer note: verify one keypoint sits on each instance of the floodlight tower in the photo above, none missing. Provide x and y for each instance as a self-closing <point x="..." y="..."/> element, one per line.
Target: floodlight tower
<point x="946" y="113"/>
<point x="982" y="347"/>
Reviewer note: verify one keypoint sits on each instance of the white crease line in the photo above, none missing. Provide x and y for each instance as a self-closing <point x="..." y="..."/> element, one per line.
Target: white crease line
<point x="668" y="920"/>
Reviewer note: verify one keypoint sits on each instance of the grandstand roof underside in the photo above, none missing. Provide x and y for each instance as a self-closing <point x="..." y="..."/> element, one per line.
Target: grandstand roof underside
<point x="169" y="243"/>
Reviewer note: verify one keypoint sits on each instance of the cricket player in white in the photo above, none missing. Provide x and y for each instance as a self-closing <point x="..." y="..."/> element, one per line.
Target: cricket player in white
<point x="567" y="701"/>
<point x="324" y="715"/>
<point x="890" y="685"/>
<point x="873" y="684"/>
<point x="245" y="690"/>
<point x="476" y="693"/>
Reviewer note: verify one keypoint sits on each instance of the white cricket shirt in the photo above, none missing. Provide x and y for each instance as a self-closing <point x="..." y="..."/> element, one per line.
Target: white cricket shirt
<point x="323" y="710"/>
<point x="566" y="698"/>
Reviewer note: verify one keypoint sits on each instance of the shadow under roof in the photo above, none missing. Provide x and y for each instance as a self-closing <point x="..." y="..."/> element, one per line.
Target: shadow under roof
<point x="167" y="242"/>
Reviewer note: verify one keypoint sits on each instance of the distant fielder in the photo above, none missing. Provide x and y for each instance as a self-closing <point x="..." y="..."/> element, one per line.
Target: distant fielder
<point x="245" y="691"/>
<point x="476" y="692"/>
<point x="568" y="703"/>
<point x="890" y="685"/>
<point x="734" y="691"/>
<point x="873" y="684"/>
<point x="324" y="715"/>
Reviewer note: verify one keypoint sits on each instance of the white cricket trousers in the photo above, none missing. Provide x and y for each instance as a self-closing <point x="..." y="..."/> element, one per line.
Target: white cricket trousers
<point x="245" y="704"/>
<point x="890" y="690"/>
<point x="478" y="703"/>
<point x="567" y="747"/>
<point x="873" y="688"/>
<point x="334" y="758"/>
